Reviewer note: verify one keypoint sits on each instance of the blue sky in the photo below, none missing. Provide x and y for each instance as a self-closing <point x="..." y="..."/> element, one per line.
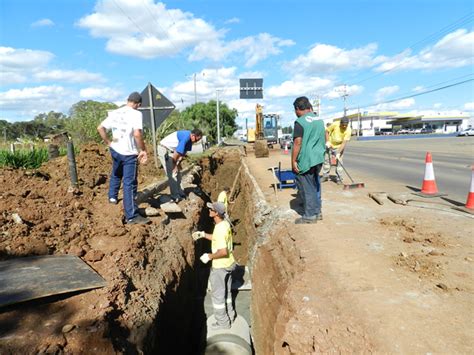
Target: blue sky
<point x="54" y="53"/>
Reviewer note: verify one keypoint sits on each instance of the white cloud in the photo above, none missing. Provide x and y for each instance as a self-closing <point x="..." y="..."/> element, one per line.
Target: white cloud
<point x="28" y="102"/>
<point x="253" y="48"/>
<point x="299" y="86"/>
<point x="232" y="20"/>
<point x="71" y="76"/>
<point x="101" y="94"/>
<point x="382" y="93"/>
<point x="324" y="58"/>
<point x="12" y="58"/>
<point x="18" y="65"/>
<point x="469" y="106"/>
<point x="452" y="51"/>
<point x="45" y="22"/>
<point x="154" y="31"/>
<point x="418" y="88"/>
<point x="437" y="105"/>
<point x="338" y="92"/>
<point x="397" y="105"/>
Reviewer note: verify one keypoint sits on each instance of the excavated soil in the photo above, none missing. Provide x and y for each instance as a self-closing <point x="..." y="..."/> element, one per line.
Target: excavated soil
<point x="149" y="304"/>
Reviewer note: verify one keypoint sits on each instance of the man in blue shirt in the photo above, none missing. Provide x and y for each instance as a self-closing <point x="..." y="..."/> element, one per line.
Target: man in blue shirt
<point x="171" y="150"/>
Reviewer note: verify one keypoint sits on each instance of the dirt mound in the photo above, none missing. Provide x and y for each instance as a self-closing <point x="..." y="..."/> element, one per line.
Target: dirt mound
<point x="41" y="215"/>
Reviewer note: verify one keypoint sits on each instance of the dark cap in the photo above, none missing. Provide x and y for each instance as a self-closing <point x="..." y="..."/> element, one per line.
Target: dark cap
<point x="135" y="97"/>
<point x="217" y="207"/>
<point x="344" y="120"/>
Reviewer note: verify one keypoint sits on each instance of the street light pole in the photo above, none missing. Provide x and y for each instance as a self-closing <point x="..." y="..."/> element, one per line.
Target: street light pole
<point x="218" y="124"/>
<point x="195" y="91"/>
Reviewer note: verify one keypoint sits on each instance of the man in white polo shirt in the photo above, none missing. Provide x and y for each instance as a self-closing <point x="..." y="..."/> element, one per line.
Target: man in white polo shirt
<point x="126" y="124"/>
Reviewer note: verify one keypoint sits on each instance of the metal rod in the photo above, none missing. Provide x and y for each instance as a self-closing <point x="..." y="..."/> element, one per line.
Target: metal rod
<point x="345" y="171"/>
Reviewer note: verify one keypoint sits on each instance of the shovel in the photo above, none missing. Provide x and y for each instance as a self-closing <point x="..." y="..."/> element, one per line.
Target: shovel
<point x="354" y="185"/>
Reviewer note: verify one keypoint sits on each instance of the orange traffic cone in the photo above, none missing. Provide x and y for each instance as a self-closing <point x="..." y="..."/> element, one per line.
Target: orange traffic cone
<point x="286" y="149"/>
<point x="429" y="188"/>
<point x="470" y="195"/>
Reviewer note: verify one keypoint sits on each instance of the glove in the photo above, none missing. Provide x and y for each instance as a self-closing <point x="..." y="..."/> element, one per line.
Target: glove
<point x="205" y="258"/>
<point x="338" y="156"/>
<point x="328" y="145"/>
<point x="198" y="235"/>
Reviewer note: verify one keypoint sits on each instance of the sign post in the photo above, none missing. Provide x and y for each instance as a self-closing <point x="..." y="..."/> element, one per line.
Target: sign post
<point x="155" y="108"/>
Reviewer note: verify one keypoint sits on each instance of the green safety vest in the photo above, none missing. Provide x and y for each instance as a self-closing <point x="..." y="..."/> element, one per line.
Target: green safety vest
<point x="313" y="144"/>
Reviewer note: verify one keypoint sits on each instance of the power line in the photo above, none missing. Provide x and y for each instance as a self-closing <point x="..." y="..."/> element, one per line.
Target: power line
<point x="409" y="96"/>
<point x="131" y="20"/>
<point x="146" y="33"/>
<point x="414" y="95"/>
<point x="459" y="22"/>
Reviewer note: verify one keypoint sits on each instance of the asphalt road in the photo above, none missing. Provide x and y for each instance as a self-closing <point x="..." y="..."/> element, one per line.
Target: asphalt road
<point x="403" y="161"/>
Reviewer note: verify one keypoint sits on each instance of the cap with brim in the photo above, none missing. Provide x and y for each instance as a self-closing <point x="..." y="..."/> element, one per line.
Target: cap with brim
<point x="217" y="207"/>
<point x="344" y="120"/>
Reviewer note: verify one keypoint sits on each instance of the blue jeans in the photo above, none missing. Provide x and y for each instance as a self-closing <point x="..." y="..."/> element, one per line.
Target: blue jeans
<point x="124" y="168"/>
<point x="310" y="191"/>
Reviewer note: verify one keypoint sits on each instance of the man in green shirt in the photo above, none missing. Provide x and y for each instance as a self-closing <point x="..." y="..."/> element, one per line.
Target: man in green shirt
<point x="309" y="143"/>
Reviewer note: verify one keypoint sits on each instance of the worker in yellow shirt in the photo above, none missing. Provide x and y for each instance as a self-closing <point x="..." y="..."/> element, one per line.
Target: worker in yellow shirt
<point x="223" y="263"/>
<point x="224" y="198"/>
<point x="337" y="136"/>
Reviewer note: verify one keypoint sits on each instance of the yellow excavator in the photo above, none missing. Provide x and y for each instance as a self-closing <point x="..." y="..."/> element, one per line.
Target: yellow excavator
<point x="257" y="135"/>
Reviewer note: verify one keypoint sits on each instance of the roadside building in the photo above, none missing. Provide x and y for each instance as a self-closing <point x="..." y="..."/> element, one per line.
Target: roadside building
<point x="374" y="123"/>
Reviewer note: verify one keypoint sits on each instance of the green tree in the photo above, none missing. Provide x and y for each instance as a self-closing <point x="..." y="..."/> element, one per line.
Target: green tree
<point x="5" y="130"/>
<point x="84" y="118"/>
<point x="203" y="116"/>
<point x="287" y="130"/>
<point x="54" y="121"/>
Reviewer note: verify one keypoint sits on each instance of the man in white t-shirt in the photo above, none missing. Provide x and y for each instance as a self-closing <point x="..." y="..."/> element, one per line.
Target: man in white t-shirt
<point x="171" y="151"/>
<point x="127" y="149"/>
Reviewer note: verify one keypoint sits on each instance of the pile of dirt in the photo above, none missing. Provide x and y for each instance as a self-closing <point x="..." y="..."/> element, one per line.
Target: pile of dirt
<point x="41" y="215"/>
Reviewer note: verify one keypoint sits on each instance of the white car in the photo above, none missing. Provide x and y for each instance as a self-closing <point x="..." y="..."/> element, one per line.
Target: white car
<point x="466" y="132"/>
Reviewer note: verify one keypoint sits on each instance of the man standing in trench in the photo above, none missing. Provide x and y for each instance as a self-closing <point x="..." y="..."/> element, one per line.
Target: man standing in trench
<point x="307" y="157"/>
<point x="223" y="264"/>
<point x="126" y="124"/>
<point x="171" y="150"/>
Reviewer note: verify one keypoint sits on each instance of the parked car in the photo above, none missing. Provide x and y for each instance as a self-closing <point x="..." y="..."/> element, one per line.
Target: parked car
<point x="288" y="141"/>
<point x="405" y="131"/>
<point x="466" y="132"/>
<point x="426" y="130"/>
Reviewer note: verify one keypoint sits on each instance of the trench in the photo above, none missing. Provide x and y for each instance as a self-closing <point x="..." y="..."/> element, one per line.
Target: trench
<point x="179" y="325"/>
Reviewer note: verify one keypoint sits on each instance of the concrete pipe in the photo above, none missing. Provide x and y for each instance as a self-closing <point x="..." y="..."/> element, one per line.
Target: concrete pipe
<point x="233" y="341"/>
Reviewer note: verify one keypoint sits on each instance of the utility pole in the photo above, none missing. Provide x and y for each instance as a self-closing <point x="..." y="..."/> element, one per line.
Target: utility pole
<point x="344" y="97"/>
<point x="317" y="106"/>
<point x="358" y="125"/>
<point x="218" y="124"/>
<point x="195" y="92"/>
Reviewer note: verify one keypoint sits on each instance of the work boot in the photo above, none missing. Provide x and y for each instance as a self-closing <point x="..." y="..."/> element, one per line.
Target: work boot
<point x="339" y="181"/>
<point x="305" y="221"/>
<point x="217" y="326"/>
<point x="113" y="201"/>
<point x="324" y="178"/>
<point x="138" y="220"/>
<point x="319" y="217"/>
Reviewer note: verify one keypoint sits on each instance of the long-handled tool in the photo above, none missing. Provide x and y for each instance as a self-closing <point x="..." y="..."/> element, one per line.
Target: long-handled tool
<point x="354" y="185"/>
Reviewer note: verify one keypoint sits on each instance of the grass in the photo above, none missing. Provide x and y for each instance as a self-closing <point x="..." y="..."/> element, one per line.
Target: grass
<point x="27" y="159"/>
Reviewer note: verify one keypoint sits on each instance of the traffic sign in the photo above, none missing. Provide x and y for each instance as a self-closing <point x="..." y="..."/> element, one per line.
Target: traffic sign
<point x="156" y="105"/>
<point x="251" y="88"/>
